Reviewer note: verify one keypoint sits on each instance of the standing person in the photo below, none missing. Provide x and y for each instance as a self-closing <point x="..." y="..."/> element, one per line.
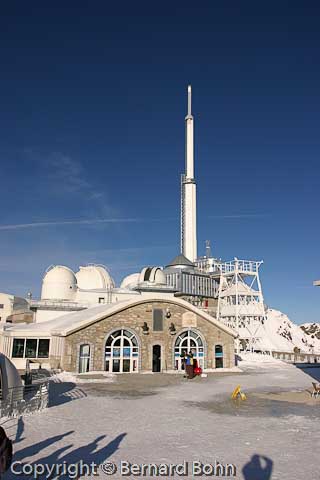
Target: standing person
<point x="183" y="357"/>
<point x="195" y="361"/>
<point x="189" y="365"/>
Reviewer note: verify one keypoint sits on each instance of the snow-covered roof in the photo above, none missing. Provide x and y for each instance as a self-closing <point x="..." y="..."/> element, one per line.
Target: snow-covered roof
<point x="67" y="324"/>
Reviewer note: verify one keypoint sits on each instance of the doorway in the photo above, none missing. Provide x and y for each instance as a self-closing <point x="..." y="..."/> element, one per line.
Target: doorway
<point x="218" y="353"/>
<point x="156" y="358"/>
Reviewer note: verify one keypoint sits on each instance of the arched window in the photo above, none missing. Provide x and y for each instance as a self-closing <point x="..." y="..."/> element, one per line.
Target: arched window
<point x="122" y="352"/>
<point x="218" y="353"/>
<point x="84" y="358"/>
<point x="185" y="342"/>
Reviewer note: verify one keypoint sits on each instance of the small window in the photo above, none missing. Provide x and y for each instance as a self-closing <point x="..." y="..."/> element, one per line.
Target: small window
<point x="1" y="305"/>
<point x="157" y="320"/>
<point x="31" y="348"/>
<point x="18" y="347"/>
<point x="219" y="356"/>
<point x="43" y="348"/>
<point x="102" y="300"/>
<point x="218" y="351"/>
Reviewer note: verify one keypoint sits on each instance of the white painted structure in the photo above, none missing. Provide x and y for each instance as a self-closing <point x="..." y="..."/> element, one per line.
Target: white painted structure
<point x="130" y="281"/>
<point x="64" y="291"/>
<point x="59" y="283"/>
<point x="94" y="276"/>
<point x="11" y="304"/>
<point x="240" y="301"/>
<point x="188" y="193"/>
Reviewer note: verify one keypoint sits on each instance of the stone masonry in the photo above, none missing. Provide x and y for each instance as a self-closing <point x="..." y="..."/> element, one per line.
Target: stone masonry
<point x="133" y="319"/>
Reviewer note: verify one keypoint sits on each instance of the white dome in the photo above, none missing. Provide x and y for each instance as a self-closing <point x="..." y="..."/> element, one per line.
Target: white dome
<point x="152" y="275"/>
<point x="94" y="277"/>
<point x="130" y="281"/>
<point x="59" y="283"/>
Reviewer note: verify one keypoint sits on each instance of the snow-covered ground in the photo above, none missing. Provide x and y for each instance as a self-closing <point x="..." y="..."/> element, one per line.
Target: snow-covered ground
<point x="96" y="377"/>
<point x="257" y="360"/>
<point x="183" y="421"/>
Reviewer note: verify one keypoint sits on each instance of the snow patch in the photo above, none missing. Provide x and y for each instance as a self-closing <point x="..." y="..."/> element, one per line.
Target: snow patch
<point x="259" y="360"/>
<point x="90" y="377"/>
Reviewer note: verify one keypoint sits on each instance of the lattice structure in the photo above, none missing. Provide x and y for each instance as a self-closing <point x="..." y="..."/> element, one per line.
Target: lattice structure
<point x="240" y="298"/>
<point x="182" y="213"/>
<point x="240" y="301"/>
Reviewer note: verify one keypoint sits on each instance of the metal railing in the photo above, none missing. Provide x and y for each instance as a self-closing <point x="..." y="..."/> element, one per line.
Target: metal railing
<point x="242" y="265"/>
<point x="292" y="357"/>
<point x="24" y="400"/>
<point x="57" y="304"/>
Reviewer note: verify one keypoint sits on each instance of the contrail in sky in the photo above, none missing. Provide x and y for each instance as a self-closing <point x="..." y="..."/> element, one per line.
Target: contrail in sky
<point x="97" y="221"/>
<point x="20" y="226"/>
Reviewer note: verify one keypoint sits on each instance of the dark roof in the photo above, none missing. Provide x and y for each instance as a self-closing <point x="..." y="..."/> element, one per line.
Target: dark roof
<point x="181" y="260"/>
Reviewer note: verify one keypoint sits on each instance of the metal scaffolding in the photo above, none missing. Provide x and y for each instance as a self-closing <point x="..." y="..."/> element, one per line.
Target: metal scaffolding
<point x="240" y="299"/>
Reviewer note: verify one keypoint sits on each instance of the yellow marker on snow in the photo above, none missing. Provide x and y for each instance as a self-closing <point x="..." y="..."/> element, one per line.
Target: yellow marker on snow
<point x="237" y="393"/>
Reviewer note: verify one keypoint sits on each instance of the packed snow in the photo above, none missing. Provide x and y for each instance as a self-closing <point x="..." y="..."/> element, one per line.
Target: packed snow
<point x="258" y="360"/>
<point x="184" y="421"/>
<point x="97" y="377"/>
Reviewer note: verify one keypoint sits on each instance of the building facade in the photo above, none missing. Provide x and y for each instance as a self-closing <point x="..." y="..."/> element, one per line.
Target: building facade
<point x="148" y="334"/>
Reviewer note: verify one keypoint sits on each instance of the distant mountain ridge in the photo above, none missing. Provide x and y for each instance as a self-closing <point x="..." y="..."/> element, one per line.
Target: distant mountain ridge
<point x="279" y="333"/>
<point x="311" y="329"/>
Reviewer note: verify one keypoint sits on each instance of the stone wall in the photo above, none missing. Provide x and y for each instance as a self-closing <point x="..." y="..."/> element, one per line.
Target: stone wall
<point x="133" y="319"/>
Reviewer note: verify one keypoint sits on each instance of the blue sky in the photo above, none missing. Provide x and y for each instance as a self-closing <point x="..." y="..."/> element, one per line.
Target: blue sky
<point x="93" y="99"/>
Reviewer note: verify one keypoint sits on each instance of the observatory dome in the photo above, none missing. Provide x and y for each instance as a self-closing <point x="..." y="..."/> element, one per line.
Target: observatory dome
<point x="130" y="281"/>
<point x="94" y="277"/>
<point x="152" y="275"/>
<point x="59" y="283"/>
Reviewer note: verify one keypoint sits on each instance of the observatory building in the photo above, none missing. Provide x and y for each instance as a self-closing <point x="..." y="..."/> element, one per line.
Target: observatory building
<point x="84" y="322"/>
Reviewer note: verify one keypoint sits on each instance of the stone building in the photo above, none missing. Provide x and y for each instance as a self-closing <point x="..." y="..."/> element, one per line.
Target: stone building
<point x="146" y="333"/>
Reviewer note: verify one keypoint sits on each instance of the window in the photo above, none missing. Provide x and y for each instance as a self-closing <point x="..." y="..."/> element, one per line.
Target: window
<point x="84" y="360"/>
<point x="121" y="352"/>
<point x="101" y="300"/>
<point x="18" y="348"/>
<point x="30" y="348"/>
<point x="1" y="305"/>
<point x="157" y="320"/>
<point x="187" y="341"/>
<point x="43" y="348"/>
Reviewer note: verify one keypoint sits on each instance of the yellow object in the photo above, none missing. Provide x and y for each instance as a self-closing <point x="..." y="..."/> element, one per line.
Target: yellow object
<point x="237" y="393"/>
